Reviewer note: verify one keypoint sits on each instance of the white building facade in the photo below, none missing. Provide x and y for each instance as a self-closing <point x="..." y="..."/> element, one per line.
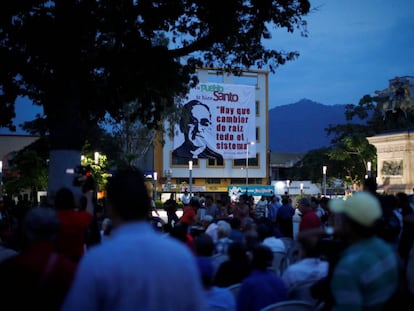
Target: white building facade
<point x="246" y="163"/>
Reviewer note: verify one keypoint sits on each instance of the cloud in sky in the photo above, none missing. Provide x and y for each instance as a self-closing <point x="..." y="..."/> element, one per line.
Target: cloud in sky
<point x="353" y="48"/>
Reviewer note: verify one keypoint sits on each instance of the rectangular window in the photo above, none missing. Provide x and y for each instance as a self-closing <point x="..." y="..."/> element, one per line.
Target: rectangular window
<point x="238" y="181"/>
<point x="215" y="162"/>
<point x="213" y="181"/>
<point x="253" y="162"/>
<point x="183" y="180"/>
<point x="178" y="161"/>
<point x="242" y="181"/>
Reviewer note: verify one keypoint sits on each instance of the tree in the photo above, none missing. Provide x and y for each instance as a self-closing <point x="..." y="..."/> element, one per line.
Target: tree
<point x="350" y="145"/>
<point x="27" y="171"/>
<point x="133" y="138"/>
<point x="82" y="60"/>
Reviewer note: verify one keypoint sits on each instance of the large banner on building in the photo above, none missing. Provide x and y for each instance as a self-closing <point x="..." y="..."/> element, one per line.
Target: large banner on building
<point x="218" y="121"/>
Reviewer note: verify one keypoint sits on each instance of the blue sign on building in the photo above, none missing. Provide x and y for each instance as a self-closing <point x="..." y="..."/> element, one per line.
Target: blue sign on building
<point x="235" y="191"/>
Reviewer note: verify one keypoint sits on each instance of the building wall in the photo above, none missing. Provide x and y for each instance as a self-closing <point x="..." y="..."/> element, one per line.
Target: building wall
<point x="395" y="161"/>
<point x="201" y="172"/>
<point x="13" y="143"/>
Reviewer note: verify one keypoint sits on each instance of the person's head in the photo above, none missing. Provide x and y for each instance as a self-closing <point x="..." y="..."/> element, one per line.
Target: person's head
<point x="323" y="202"/>
<point x="206" y="221"/>
<point x="237" y="251"/>
<point x="195" y="122"/>
<point x="285" y="200"/>
<point x="223" y="229"/>
<point x="204" y="245"/>
<point x="359" y="214"/>
<point x="40" y="224"/>
<point x="64" y="199"/>
<point x="235" y="223"/>
<point x="314" y="202"/>
<point x="264" y="231"/>
<point x="243" y="198"/>
<point x="304" y="205"/>
<point x="209" y="200"/>
<point x="195" y="203"/>
<point x="262" y="257"/>
<point x="127" y="196"/>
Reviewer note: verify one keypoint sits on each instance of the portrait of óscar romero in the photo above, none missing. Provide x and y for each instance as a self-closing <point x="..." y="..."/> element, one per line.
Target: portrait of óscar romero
<point x="195" y="124"/>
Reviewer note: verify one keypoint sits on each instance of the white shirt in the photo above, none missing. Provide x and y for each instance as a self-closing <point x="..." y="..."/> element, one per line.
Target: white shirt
<point x="306" y="269"/>
<point x="137" y="269"/>
<point x="275" y="244"/>
<point x="185" y="199"/>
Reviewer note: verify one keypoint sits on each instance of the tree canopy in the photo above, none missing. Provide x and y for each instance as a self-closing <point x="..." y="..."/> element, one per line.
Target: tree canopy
<point x="83" y="60"/>
<point x="350" y="145"/>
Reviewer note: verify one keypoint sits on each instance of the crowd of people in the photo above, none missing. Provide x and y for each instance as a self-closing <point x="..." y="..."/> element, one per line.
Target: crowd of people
<point x="353" y="254"/>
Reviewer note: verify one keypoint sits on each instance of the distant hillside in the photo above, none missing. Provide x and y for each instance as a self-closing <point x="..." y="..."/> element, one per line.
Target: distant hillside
<point x="300" y="127"/>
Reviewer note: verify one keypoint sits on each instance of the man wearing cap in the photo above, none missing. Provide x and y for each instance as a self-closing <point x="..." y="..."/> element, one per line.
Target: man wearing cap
<point x="366" y="274"/>
<point x="309" y="219"/>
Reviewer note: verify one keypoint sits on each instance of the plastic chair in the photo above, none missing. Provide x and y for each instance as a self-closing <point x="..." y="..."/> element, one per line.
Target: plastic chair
<point x="289" y="305"/>
<point x="287" y="241"/>
<point x="302" y="291"/>
<point x="293" y="253"/>
<point x="279" y="263"/>
<point x="235" y="289"/>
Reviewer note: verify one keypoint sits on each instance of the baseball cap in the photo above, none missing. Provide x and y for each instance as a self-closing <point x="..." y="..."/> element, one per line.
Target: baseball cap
<point x="362" y="207"/>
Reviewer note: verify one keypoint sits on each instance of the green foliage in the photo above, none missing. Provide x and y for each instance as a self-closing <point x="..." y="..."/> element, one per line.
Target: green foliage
<point x="28" y="171"/>
<point x="128" y="51"/>
<point x="350" y="147"/>
<point x="99" y="170"/>
<point x="159" y="204"/>
<point x="84" y="60"/>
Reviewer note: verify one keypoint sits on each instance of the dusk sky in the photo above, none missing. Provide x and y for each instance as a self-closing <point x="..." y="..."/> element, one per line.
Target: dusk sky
<point x="353" y="48"/>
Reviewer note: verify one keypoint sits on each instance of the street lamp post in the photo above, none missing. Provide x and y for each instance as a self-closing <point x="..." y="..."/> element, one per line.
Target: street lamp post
<point x="369" y="169"/>
<point x="247" y="163"/>
<point x="168" y="174"/>
<point x="155" y="177"/>
<point x="96" y="158"/>
<point x="190" y="170"/>
<point x="1" y="179"/>
<point x="324" y="168"/>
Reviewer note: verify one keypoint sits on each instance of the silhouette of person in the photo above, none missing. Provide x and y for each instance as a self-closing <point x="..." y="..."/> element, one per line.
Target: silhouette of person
<point x="195" y="124"/>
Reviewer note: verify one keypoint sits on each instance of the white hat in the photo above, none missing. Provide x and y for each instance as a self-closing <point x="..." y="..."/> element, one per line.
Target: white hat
<point x="362" y="207"/>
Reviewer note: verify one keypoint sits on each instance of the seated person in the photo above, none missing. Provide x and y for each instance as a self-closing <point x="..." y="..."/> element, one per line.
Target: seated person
<point x="218" y="298"/>
<point x="300" y="276"/>
<point x="236" y="268"/>
<point x="262" y="287"/>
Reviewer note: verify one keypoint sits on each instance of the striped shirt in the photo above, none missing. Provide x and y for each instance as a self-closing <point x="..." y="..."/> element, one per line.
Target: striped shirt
<point x="365" y="277"/>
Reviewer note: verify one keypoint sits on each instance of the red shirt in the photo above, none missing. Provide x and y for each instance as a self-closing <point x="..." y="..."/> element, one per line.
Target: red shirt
<point x="37" y="277"/>
<point x="72" y="233"/>
<point x="309" y="221"/>
<point x="188" y="216"/>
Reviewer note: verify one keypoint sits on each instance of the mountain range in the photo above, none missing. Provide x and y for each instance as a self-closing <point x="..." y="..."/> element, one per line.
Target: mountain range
<point x="300" y="127"/>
